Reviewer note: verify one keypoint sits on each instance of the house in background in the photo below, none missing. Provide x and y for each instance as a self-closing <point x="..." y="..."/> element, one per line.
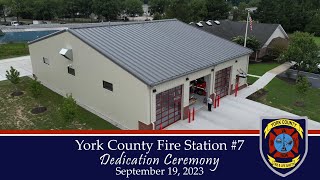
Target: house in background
<point x="264" y="33"/>
<point x="139" y="75"/>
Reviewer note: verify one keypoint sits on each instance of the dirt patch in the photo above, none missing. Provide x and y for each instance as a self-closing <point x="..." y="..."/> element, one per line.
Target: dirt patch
<point x="299" y="104"/>
<point x="20" y="120"/>
<point x="38" y="110"/>
<point x="257" y="95"/>
<point x="17" y="93"/>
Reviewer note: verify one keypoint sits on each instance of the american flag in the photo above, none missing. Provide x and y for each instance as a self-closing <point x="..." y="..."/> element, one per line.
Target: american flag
<point x="250" y="19"/>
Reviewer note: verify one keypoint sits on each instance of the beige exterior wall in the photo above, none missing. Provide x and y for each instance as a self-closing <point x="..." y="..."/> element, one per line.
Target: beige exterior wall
<point x="277" y="33"/>
<point x="242" y="63"/>
<point x="125" y="106"/>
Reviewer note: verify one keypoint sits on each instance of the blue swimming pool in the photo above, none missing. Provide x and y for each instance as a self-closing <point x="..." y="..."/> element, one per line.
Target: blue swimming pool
<point x="23" y="36"/>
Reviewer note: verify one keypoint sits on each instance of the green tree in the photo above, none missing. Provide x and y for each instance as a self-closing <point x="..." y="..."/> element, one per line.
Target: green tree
<point x="109" y="9"/>
<point x="217" y="9"/>
<point x="69" y="108"/>
<point x="3" y="4"/>
<point x="85" y="8"/>
<point x="71" y="7"/>
<point x="17" y="7"/>
<point x="302" y="86"/>
<point x="314" y="25"/>
<point x="36" y="89"/>
<point x="303" y="50"/>
<point x="292" y="15"/>
<point x="252" y="43"/>
<point x="44" y="10"/>
<point x="133" y="7"/>
<point x="179" y="9"/>
<point x="13" y="76"/>
<point x="158" y="6"/>
<point x="157" y="16"/>
<point x="198" y="10"/>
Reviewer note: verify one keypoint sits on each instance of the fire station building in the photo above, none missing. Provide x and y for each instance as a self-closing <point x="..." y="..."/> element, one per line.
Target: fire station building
<point x="143" y="75"/>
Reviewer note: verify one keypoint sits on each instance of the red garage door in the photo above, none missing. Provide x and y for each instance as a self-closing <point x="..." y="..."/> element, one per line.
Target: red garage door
<point x="222" y="81"/>
<point x="168" y="105"/>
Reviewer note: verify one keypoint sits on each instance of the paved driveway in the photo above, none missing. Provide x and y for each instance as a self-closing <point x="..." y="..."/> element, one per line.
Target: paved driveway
<point x="234" y="113"/>
<point x="22" y="64"/>
<point x="314" y="79"/>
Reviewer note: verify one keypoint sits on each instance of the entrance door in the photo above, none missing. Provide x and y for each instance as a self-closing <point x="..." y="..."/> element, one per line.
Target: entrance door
<point x="222" y="81"/>
<point x="168" y="109"/>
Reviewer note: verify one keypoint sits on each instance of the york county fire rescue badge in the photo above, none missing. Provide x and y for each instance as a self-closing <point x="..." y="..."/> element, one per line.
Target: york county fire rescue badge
<point x="284" y="143"/>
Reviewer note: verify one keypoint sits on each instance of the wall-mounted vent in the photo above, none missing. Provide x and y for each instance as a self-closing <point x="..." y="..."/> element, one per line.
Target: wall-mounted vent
<point x="209" y="23"/>
<point x="67" y="53"/>
<point x="217" y="22"/>
<point x="200" y="24"/>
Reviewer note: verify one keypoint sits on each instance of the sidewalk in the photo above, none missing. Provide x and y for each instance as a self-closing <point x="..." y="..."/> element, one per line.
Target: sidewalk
<point x="22" y="64"/>
<point x="264" y="80"/>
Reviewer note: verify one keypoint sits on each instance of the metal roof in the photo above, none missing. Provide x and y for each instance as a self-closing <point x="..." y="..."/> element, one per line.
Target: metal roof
<point x="159" y="51"/>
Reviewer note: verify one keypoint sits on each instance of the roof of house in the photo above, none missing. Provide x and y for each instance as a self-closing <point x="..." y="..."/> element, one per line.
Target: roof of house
<point x="159" y="51"/>
<point x="230" y="29"/>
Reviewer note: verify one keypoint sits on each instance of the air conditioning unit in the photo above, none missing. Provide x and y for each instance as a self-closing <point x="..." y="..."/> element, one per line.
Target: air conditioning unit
<point x="67" y="53"/>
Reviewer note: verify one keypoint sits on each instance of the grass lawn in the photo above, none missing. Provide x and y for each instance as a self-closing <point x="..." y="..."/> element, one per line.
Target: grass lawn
<point x="251" y="80"/>
<point x="283" y="95"/>
<point x="317" y="39"/>
<point x="15" y="111"/>
<point x="259" y="69"/>
<point x="11" y="50"/>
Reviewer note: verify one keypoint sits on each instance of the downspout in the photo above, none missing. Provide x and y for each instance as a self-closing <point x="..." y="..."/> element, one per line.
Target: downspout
<point x="150" y="108"/>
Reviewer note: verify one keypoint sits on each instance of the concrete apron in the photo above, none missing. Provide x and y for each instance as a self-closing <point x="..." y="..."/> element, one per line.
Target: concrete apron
<point x="234" y="113"/>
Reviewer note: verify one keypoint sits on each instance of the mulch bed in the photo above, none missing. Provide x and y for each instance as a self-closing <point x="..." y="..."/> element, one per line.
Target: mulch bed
<point x="17" y="93"/>
<point x="299" y="104"/>
<point x="257" y="95"/>
<point x="288" y="80"/>
<point x="38" y="110"/>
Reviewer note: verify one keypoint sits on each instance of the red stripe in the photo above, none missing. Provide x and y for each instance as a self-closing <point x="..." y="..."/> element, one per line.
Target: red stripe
<point x="137" y="131"/>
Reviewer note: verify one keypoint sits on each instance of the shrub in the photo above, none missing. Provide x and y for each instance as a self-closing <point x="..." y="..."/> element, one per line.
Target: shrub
<point x="69" y="108"/>
<point x="36" y="88"/>
<point x="13" y="76"/>
<point x="302" y="86"/>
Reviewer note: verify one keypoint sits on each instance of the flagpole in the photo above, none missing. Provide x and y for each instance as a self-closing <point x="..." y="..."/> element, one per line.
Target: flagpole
<point x="245" y="37"/>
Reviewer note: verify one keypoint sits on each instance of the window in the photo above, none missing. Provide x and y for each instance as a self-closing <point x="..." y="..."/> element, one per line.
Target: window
<point x="46" y="60"/>
<point x="108" y="86"/>
<point x="71" y="71"/>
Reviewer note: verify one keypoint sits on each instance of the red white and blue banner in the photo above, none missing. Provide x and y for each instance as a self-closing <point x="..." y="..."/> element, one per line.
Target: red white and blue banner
<point x="287" y="150"/>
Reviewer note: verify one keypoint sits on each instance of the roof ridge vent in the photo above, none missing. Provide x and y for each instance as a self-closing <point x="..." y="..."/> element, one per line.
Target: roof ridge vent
<point x="217" y="22"/>
<point x="200" y="24"/>
<point x="209" y="23"/>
